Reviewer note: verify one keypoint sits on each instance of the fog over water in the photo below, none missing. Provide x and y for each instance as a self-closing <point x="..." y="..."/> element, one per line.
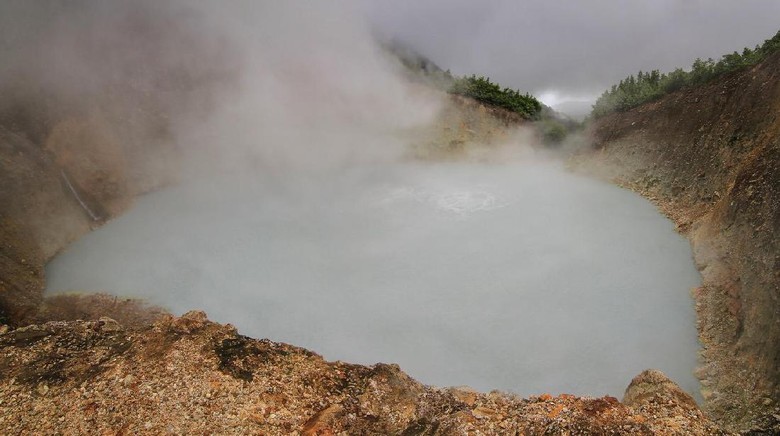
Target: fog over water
<point x="520" y="277"/>
<point x="295" y="218"/>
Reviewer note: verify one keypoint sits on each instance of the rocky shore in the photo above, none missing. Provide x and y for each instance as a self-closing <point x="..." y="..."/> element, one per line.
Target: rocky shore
<point x="189" y="375"/>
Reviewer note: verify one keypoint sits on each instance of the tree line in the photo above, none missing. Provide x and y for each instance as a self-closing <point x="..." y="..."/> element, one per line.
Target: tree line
<point x="485" y="91"/>
<point x="479" y="88"/>
<point x="647" y="86"/>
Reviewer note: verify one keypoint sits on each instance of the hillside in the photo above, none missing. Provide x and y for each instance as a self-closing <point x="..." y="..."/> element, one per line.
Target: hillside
<point x="709" y="156"/>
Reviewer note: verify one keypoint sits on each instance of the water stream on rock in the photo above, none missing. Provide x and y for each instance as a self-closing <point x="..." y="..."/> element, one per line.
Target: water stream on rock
<point x="516" y="277"/>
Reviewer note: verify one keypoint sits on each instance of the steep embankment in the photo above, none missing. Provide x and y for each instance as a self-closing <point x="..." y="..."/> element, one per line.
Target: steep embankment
<point x="710" y="158"/>
<point x="57" y="184"/>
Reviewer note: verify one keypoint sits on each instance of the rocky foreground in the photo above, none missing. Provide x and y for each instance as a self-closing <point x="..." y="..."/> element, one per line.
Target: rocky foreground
<point x="189" y="375"/>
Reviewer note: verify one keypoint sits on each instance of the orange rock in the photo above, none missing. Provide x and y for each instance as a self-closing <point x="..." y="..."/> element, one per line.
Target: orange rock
<point x="555" y="412"/>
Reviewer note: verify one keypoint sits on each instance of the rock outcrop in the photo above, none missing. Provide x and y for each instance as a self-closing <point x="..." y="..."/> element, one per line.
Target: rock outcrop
<point x="188" y="375"/>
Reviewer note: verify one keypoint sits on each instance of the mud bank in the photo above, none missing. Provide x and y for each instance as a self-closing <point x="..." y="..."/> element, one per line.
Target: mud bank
<point x="709" y="157"/>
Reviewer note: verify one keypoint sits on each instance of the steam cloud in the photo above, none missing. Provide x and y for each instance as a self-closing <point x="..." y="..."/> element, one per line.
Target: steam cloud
<point x="258" y="85"/>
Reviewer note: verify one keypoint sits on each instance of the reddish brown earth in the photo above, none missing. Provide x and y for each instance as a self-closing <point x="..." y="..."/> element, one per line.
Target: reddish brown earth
<point x="188" y="375"/>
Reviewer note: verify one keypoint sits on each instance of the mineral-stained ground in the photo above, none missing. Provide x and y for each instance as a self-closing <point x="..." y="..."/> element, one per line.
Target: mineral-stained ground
<point x="188" y="375"/>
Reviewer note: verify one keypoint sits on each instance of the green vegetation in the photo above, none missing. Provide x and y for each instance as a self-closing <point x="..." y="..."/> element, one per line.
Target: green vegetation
<point x="635" y="90"/>
<point x="423" y="70"/>
<point x="554" y="131"/>
<point x="485" y="91"/>
<point x="553" y="128"/>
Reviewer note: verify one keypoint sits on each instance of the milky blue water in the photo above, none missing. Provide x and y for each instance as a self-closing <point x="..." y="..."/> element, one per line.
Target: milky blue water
<point x="515" y="277"/>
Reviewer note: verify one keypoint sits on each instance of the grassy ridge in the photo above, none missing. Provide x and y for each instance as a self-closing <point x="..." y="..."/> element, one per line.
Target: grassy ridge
<point x="485" y="91"/>
<point x="647" y="86"/>
<point x="479" y="88"/>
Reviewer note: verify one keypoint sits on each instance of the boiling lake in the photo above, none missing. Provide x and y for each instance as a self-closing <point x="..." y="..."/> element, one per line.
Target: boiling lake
<point x="518" y="277"/>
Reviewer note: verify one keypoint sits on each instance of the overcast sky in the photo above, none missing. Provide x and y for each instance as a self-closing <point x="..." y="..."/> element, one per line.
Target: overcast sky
<point x="560" y="49"/>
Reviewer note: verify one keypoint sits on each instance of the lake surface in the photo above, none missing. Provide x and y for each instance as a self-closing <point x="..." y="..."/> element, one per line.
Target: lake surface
<point x="517" y="277"/>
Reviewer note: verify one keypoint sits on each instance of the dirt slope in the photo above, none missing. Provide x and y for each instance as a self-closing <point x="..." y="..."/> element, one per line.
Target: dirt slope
<point x="710" y="158"/>
<point x="58" y="184"/>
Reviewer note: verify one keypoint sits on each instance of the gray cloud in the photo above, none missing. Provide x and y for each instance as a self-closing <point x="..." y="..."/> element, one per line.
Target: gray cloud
<point x="575" y="48"/>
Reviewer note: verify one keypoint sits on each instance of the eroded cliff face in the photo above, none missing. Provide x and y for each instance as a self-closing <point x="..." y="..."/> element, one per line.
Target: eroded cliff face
<point x="57" y="184"/>
<point x="710" y="158"/>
